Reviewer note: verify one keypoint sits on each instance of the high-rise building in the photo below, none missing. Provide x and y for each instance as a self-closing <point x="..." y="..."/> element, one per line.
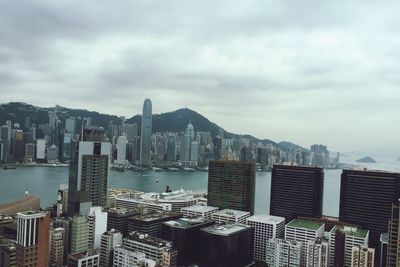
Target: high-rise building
<point x="265" y="227"/>
<point x="393" y="248"/>
<point x="145" y="136"/>
<point x="79" y="234"/>
<point x="317" y="252"/>
<point x="97" y="220"/>
<point x="89" y="258"/>
<point x="304" y="231"/>
<point x="229" y="215"/>
<point x="383" y="249"/>
<point x="89" y="171"/>
<point x="184" y="234"/>
<point x="366" y="199"/>
<point x="319" y="155"/>
<point x="121" y="150"/>
<point x="118" y="219"/>
<point x="227" y="245"/>
<point x="40" y="149"/>
<point x="32" y="238"/>
<point x="296" y="191"/>
<point x="57" y="242"/>
<point x="19" y="146"/>
<point x="8" y="254"/>
<point x="66" y="224"/>
<point x="341" y="242"/>
<point x="29" y="151"/>
<point x="281" y="252"/>
<point x="362" y="256"/>
<point x="198" y="211"/>
<point x="171" y="148"/>
<point x="124" y="257"/>
<point x="231" y="185"/>
<point x="109" y="241"/>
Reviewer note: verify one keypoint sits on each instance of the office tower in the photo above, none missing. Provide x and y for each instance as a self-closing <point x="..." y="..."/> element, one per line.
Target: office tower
<point x="5" y="133"/>
<point x="171" y="148"/>
<point x="84" y="259"/>
<point x="231" y="185"/>
<point x="29" y="151"/>
<point x="8" y="254"/>
<point x="303" y="231"/>
<point x="41" y="149"/>
<point x="53" y="128"/>
<point x="155" y="248"/>
<point x="319" y="155"/>
<point x="228" y="215"/>
<point x="383" y="249"/>
<point x="265" y="227"/>
<point x="97" y="220"/>
<point x="362" y="256"/>
<point x="52" y="153"/>
<point x="296" y="191"/>
<point x="68" y="137"/>
<point x="246" y="154"/>
<point x="79" y="234"/>
<point x="198" y="211"/>
<point x="145" y="136"/>
<point x="57" y="242"/>
<point x="32" y="132"/>
<point x="4" y="150"/>
<point x="393" y="248"/>
<point x="109" y="241"/>
<point x="118" y="219"/>
<point x="185" y="237"/>
<point x="341" y="241"/>
<point x="19" y="146"/>
<point x="366" y="199"/>
<point x="317" y="252"/>
<point x="217" y="147"/>
<point x="89" y="171"/>
<point x="150" y="223"/>
<point x="194" y="153"/>
<point x="226" y="245"/>
<point x="281" y="252"/>
<point x="70" y="126"/>
<point x="121" y="150"/>
<point x="32" y="238"/>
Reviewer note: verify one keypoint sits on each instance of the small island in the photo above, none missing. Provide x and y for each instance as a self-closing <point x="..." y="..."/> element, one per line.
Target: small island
<point x="366" y="160"/>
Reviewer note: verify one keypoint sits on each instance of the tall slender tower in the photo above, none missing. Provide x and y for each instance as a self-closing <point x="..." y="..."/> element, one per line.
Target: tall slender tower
<point x="145" y="137"/>
<point x="88" y="173"/>
<point x="393" y="251"/>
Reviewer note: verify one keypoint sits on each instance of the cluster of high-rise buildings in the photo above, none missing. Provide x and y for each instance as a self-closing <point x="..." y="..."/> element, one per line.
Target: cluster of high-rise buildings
<point x="136" y="144"/>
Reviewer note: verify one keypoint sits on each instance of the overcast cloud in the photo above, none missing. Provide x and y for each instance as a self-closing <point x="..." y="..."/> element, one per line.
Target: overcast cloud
<point x="304" y="71"/>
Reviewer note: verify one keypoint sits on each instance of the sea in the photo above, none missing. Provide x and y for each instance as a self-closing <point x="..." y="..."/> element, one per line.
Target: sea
<point x="45" y="181"/>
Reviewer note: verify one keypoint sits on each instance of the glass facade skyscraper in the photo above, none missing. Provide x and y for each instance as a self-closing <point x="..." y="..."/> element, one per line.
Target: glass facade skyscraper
<point x="145" y="137"/>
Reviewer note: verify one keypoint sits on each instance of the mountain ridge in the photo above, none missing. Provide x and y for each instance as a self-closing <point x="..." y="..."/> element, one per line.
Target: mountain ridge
<point x="172" y="121"/>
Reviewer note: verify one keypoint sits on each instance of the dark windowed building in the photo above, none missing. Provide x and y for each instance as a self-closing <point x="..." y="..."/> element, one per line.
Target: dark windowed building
<point x="231" y="185"/>
<point x="296" y="191"/>
<point x="366" y="198"/>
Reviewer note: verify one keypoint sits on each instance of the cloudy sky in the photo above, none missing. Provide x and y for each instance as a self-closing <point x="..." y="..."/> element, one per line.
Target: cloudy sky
<point x="304" y="71"/>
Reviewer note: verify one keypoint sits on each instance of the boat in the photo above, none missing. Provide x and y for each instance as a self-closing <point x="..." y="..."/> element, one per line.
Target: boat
<point x="188" y="169"/>
<point x="9" y="167"/>
<point x="157" y="169"/>
<point x="157" y="180"/>
<point x="173" y="169"/>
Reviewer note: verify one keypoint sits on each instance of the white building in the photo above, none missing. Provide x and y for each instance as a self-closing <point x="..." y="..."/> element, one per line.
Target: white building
<point x="41" y="149"/>
<point x="57" y="239"/>
<point x="124" y="257"/>
<point x="121" y="150"/>
<point x="281" y="252"/>
<point x="109" y="241"/>
<point x="352" y="236"/>
<point x="265" y="227"/>
<point x="362" y="256"/>
<point x="97" y="220"/>
<point x="304" y="231"/>
<point x="198" y="210"/>
<point x="229" y="215"/>
<point x="317" y="253"/>
<point x="84" y="259"/>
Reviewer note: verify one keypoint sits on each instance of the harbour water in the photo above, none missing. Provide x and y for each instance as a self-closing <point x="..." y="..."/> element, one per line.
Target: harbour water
<point x="44" y="181"/>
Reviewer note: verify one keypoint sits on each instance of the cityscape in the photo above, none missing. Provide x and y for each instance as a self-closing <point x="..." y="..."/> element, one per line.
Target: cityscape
<point x="91" y="224"/>
<point x="143" y="133"/>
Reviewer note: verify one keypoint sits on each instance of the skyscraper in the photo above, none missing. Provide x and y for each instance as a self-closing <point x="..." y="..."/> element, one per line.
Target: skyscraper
<point x="89" y="171"/>
<point x="32" y="238"/>
<point x="296" y="191"/>
<point x="231" y="185"/>
<point x="366" y="199"/>
<point x="145" y="137"/>
<point x="393" y="248"/>
<point x="281" y="252"/>
<point x="362" y="256"/>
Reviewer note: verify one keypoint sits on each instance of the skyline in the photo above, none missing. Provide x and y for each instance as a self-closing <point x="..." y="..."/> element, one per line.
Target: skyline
<point x="304" y="72"/>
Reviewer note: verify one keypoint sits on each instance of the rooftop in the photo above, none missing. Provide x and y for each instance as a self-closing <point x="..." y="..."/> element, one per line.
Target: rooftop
<point x="305" y="224"/>
<point x="263" y="218"/>
<point x="146" y="239"/>
<point x="155" y="216"/>
<point x="231" y="213"/>
<point x="199" y="208"/>
<point x="226" y="228"/>
<point x="82" y="255"/>
<point x="354" y="231"/>
<point x="187" y="222"/>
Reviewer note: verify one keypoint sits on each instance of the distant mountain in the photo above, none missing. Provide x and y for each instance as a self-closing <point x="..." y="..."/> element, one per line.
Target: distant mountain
<point x="291" y="146"/>
<point x="366" y="160"/>
<point x="175" y="121"/>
